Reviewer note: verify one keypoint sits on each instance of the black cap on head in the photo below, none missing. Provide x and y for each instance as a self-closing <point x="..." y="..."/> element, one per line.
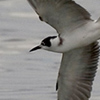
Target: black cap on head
<point x="46" y="41"/>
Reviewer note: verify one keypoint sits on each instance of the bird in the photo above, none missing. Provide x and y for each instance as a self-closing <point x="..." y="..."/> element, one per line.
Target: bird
<point x="77" y="40"/>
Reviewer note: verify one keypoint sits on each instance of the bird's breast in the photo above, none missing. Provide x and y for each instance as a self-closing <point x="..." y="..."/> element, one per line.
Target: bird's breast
<point x="81" y="36"/>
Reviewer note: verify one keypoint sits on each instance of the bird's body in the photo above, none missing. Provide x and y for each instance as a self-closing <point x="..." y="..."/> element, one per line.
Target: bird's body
<point x="79" y="37"/>
<point x="76" y="40"/>
<point x="82" y="36"/>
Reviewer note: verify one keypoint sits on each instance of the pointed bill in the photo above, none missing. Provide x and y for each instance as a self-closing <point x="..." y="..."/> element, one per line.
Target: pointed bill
<point x="35" y="48"/>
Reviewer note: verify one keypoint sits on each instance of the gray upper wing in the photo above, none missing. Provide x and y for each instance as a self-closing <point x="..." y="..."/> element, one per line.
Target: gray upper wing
<point x="77" y="72"/>
<point x="60" y="14"/>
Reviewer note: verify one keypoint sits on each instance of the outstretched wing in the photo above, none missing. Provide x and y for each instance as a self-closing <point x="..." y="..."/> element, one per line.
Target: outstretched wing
<point x="60" y="14"/>
<point x="77" y="72"/>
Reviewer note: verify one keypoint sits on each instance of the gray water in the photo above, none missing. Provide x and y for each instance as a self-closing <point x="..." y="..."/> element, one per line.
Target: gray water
<point x="24" y="75"/>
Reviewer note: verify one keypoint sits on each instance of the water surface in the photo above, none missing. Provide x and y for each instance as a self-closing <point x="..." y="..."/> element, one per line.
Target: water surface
<point x="24" y="75"/>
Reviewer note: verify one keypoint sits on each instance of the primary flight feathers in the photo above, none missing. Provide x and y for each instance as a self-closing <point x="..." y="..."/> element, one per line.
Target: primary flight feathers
<point x="60" y="14"/>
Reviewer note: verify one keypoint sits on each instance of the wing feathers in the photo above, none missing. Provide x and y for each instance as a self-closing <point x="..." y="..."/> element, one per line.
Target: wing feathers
<point x="77" y="72"/>
<point x="60" y="14"/>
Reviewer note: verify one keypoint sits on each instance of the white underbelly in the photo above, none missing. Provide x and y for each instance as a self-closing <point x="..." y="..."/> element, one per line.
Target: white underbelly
<point x="82" y="37"/>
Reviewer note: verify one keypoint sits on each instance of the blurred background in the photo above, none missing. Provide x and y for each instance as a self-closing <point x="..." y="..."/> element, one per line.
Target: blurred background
<point x="31" y="76"/>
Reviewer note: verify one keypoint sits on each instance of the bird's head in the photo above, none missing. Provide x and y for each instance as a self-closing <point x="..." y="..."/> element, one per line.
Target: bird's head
<point x="50" y="43"/>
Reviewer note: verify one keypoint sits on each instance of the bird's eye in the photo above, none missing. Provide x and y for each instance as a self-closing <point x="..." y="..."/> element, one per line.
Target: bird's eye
<point x="43" y="43"/>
